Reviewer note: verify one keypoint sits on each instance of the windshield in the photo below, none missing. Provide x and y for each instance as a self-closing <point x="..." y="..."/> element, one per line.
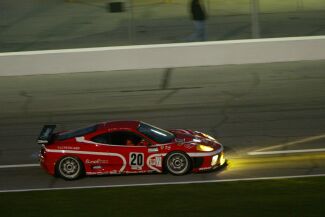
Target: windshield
<point x="159" y="135"/>
<point x="77" y="133"/>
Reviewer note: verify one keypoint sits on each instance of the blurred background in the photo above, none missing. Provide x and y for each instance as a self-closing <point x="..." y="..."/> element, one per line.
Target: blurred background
<point x="59" y="24"/>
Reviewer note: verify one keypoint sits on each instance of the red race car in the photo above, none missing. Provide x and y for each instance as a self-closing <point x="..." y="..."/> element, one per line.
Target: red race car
<point x="119" y="147"/>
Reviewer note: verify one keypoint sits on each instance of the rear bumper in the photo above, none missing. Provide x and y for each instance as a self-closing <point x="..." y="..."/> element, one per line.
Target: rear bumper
<point x="46" y="165"/>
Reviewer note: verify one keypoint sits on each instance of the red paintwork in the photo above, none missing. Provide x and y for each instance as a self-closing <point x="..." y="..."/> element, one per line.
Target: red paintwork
<point x="115" y="159"/>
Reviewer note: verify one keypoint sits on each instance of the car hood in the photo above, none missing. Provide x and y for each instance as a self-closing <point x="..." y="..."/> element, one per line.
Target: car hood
<point x="194" y="137"/>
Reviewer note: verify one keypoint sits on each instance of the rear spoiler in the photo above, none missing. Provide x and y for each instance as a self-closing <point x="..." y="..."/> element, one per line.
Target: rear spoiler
<point x="46" y="134"/>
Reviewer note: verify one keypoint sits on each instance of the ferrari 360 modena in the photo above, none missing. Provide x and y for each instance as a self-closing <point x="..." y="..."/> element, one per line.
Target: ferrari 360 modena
<point x="124" y="147"/>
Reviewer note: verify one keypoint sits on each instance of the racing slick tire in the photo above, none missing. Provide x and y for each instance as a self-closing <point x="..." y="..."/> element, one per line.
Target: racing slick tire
<point x="69" y="168"/>
<point x="178" y="163"/>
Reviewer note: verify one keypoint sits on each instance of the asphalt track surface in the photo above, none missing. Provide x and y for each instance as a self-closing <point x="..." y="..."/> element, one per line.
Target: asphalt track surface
<point x="256" y="107"/>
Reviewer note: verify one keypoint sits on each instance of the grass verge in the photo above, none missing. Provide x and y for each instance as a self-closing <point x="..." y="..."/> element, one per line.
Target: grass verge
<point x="301" y="197"/>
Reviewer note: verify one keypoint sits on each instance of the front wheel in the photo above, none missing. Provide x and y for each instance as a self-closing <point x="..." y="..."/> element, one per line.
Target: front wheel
<point x="177" y="163"/>
<point x="70" y="168"/>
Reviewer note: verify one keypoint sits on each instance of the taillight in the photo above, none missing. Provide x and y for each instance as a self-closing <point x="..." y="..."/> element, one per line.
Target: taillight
<point x="42" y="152"/>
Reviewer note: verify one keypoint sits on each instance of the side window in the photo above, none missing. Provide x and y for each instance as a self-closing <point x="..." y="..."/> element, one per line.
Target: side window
<point x="119" y="138"/>
<point x="125" y="138"/>
<point x="103" y="138"/>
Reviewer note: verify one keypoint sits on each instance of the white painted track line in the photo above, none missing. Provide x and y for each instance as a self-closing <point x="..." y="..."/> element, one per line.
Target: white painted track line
<point x="166" y="183"/>
<point x="296" y="142"/>
<point x="286" y="151"/>
<point x="18" y="166"/>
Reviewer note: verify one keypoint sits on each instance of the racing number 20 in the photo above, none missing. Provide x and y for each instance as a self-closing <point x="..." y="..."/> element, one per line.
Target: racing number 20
<point x="136" y="159"/>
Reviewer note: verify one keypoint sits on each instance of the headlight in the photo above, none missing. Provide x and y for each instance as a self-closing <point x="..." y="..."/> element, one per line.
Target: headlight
<point x="204" y="148"/>
<point x="222" y="159"/>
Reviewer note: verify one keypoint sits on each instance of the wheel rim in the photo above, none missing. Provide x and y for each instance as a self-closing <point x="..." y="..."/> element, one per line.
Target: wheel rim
<point x="177" y="163"/>
<point x="69" y="167"/>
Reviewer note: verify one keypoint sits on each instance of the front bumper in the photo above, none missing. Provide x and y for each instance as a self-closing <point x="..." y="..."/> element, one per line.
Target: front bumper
<point x="212" y="162"/>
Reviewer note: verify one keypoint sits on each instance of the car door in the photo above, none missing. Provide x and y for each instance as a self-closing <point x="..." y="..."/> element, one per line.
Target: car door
<point x="130" y="152"/>
<point x="133" y="147"/>
<point x="115" y="161"/>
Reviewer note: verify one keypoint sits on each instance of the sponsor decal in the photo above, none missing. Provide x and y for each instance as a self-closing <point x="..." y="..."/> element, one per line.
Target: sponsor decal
<point x="166" y="147"/>
<point x="205" y="168"/>
<point x="150" y="150"/>
<point x="97" y="173"/>
<point x="98" y="161"/>
<point x="97" y="167"/>
<point x="134" y="172"/>
<point x="69" y="147"/>
<point x="136" y="167"/>
<point x="156" y="161"/>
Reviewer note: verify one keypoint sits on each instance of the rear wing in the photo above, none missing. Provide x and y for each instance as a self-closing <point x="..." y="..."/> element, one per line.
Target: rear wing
<point x="46" y="134"/>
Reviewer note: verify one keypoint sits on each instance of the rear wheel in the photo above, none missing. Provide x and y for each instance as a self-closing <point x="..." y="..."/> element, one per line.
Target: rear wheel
<point x="178" y="163"/>
<point x="70" y="168"/>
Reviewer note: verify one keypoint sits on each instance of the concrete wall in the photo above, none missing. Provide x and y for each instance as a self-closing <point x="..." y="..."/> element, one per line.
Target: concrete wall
<point x="163" y="56"/>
